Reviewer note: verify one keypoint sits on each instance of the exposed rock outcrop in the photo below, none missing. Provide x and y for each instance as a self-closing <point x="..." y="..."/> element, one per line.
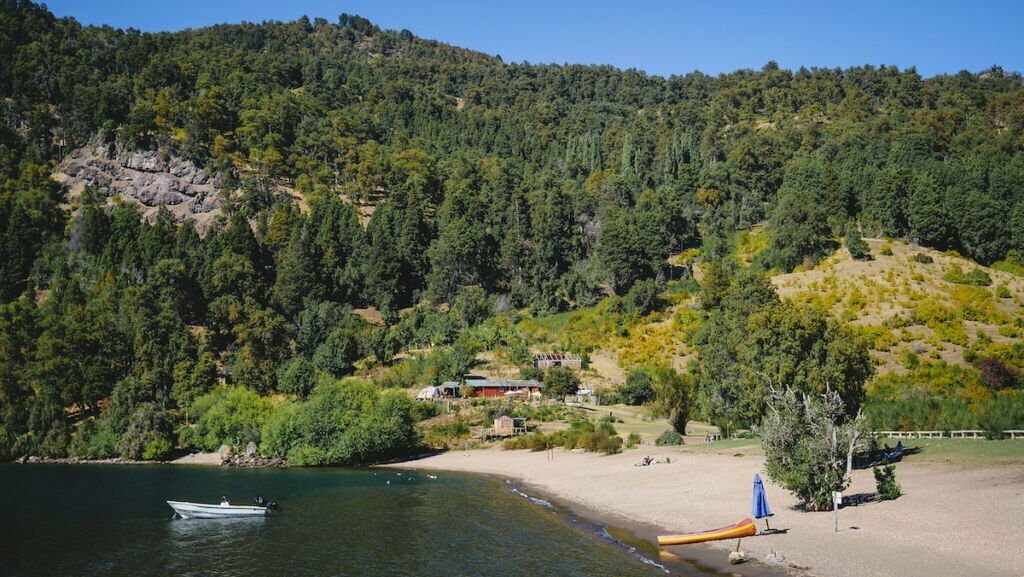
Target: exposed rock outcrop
<point x="147" y="177"/>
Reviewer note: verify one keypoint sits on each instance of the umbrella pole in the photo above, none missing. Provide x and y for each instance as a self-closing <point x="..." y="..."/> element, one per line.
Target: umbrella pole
<point x="738" y="545"/>
<point x="766" y="526"/>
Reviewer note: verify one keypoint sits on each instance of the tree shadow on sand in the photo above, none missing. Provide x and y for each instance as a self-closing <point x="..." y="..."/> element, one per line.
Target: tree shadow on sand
<point x="858" y="499"/>
<point x="868" y="459"/>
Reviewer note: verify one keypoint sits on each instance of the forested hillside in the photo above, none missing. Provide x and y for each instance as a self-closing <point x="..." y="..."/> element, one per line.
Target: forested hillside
<point x="365" y="168"/>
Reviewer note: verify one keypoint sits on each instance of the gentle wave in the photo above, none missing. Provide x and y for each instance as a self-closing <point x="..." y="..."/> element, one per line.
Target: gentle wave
<point x="533" y="500"/>
<point x="604" y="534"/>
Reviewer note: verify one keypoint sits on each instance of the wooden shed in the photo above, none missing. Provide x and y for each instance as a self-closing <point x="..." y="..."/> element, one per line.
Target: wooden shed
<point x="548" y="360"/>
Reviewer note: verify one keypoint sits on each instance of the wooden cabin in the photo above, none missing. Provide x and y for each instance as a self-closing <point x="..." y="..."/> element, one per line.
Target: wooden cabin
<point x="493" y="388"/>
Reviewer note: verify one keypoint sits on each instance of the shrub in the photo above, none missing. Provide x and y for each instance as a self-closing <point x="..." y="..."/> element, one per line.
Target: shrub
<point x="1003" y="292"/>
<point x="227" y="416"/>
<point x="280" y="433"/>
<point x="669" y="438"/>
<point x="423" y="410"/>
<point x="997" y="375"/>
<point x="633" y="440"/>
<point x="307" y="456"/>
<point x="7" y="442"/>
<point x="976" y="277"/>
<point x="885" y="482"/>
<point x="535" y="442"/>
<point x="94" y="440"/>
<point x="344" y="422"/>
<point x="580" y="434"/>
<point x="922" y="258"/>
<point x="886" y="250"/>
<point x="1002" y="412"/>
<point x="441" y="436"/>
<point x="1013" y="263"/>
<point x="606" y="425"/>
<point x="642" y="298"/>
<point x="157" y="449"/>
<point x="602" y="442"/>
<point x="55" y="443"/>
<point x="147" y="426"/>
<point x="911" y="360"/>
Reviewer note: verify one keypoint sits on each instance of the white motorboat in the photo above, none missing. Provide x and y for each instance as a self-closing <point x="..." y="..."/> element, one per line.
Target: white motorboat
<point x="207" y="511"/>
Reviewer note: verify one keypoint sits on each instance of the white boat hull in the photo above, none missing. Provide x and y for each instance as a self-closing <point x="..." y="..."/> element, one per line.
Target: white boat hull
<point x="203" y="511"/>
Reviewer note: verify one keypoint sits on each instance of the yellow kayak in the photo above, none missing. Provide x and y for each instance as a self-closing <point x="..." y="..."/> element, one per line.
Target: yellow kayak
<point x="744" y="528"/>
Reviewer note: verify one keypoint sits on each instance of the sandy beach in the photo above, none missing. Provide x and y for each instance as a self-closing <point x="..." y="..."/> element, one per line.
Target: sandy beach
<point x="198" y="459"/>
<point x="952" y="520"/>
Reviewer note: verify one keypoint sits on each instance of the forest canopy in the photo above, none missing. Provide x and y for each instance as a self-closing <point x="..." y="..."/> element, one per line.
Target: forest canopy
<point x="426" y="174"/>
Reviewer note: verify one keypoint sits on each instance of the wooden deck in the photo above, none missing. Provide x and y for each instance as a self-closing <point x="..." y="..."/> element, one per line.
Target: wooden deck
<point x="486" y="433"/>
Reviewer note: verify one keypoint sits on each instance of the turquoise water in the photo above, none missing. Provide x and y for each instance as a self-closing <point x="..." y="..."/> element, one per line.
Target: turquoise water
<point x="66" y="520"/>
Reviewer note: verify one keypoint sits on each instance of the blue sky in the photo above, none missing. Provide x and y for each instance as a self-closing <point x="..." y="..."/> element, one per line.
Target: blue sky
<point x="660" y="37"/>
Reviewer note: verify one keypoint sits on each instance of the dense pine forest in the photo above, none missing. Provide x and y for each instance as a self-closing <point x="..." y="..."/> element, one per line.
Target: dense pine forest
<point x="368" y="169"/>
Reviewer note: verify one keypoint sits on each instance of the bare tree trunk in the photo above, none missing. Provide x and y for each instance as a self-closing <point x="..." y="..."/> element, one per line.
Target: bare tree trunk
<point x="857" y="430"/>
<point x="849" y="454"/>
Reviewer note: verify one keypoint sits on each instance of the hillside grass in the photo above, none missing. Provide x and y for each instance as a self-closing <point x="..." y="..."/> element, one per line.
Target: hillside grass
<point x="903" y="306"/>
<point x="610" y="329"/>
<point x="946" y="451"/>
<point x="965" y="451"/>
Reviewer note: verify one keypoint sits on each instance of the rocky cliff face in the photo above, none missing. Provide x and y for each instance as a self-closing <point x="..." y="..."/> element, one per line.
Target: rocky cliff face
<point x="145" y="177"/>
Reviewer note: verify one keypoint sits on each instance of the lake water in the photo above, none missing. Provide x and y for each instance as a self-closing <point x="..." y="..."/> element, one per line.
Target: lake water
<point x="81" y="520"/>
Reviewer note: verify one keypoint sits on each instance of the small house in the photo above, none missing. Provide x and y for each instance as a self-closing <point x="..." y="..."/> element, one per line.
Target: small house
<point x="504" y="426"/>
<point x="492" y="388"/>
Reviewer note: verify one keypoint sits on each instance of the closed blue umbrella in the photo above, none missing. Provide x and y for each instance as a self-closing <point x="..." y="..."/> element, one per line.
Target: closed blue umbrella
<point x="760" y="508"/>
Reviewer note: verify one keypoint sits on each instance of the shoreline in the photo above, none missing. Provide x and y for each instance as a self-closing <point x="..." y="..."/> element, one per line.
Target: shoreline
<point x="198" y="459"/>
<point x="942" y="526"/>
<point x="698" y="559"/>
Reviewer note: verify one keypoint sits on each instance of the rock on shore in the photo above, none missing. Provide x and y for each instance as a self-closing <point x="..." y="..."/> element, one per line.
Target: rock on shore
<point x="253" y="461"/>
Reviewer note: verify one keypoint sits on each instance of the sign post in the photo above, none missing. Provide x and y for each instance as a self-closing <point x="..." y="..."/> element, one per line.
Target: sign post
<point x="837" y="499"/>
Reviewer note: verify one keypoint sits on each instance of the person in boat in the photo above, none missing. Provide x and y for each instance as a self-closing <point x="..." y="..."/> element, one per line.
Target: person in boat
<point x="224" y="501"/>
<point x="261" y="502"/>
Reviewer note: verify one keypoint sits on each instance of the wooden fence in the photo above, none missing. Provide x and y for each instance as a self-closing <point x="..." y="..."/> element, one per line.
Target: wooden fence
<point x="961" y="434"/>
